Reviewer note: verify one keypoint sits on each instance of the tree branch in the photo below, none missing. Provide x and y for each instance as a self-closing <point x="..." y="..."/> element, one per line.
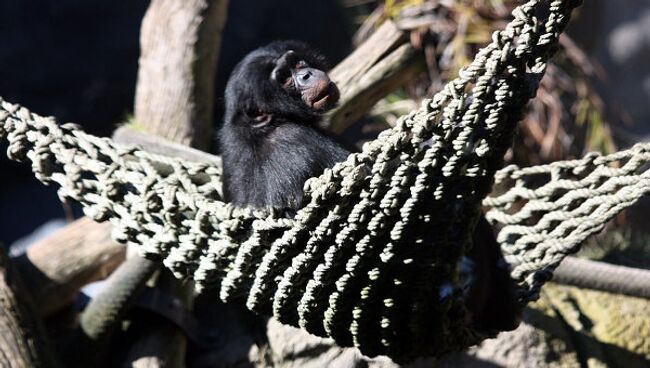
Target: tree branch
<point x="23" y="342"/>
<point x="179" y="49"/>
<point x="56" y="267"/>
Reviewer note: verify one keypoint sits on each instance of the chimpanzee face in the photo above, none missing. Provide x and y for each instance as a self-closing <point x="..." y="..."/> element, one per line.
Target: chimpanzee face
<point x="281" y="82"/>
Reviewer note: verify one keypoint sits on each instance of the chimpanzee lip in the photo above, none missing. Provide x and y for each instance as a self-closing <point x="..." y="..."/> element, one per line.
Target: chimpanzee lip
<point x="320" y="101"/>
<point x="326" y="96"/>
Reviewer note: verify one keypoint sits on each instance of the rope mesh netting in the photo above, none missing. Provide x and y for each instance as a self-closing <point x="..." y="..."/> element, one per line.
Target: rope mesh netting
<point x="364" y="260"/>
<point x="549" y="210"/>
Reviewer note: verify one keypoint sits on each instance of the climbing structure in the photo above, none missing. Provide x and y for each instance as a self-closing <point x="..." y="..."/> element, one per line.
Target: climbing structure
<point x="365" y="260"/>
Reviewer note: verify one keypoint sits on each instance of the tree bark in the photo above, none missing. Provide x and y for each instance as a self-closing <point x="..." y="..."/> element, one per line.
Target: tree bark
<point x="360" y="95"/>
<point x="384" y="40"/>
<point x="380" y="65"/>
<point x="162" y="344"/>
<point x="179" y="43"/>
<point x="56" y="267"/>
<point x="161" y="146"/>
<point x="22" y="338"/>
<point x="179" y="46"/>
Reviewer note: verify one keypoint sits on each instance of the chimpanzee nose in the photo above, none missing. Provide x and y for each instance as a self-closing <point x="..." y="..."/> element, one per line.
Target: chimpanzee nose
<point x="306" y="77"/>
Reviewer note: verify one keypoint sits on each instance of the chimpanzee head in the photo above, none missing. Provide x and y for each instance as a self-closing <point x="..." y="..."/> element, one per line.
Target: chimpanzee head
<point x="282" y="82"/>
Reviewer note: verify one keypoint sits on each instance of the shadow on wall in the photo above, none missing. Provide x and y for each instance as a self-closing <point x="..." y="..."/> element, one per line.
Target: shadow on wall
<point x="77" y="60"/>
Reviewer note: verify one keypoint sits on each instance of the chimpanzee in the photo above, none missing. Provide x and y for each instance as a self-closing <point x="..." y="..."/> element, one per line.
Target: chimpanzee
<point x="271" y="145"/>
<point x="269" y="142"/>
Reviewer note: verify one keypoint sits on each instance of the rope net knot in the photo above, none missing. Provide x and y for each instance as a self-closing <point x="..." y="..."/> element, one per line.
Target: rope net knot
<point x="549" y="210"/>
<point x="365" y="260"/>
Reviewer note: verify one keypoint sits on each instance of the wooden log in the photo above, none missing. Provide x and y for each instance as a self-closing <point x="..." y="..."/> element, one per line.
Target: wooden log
<point x="383" y="63"/>
<point x="146" y="350"/>
<point x="161" y="146"/>
<point x="384" y="40"/>
<point x="23" y="342"/>
<point x="57" y="266"/>
<point x="174" y="100"/>
<point x="399" y="67"/>
<point x="179" y="46"/>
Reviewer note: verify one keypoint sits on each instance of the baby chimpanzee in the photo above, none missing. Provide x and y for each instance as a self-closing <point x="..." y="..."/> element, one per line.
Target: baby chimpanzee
<point x="271" y="145"/>
<point x="269" y="142"/>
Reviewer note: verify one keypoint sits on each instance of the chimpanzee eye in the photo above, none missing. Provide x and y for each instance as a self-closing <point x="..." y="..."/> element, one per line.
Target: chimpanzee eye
<point x="283" y="76"/>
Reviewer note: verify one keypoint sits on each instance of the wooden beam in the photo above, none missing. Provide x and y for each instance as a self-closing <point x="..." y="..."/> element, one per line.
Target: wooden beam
<point x="57" y="266"/>
<point x="179" y="46"/>
<point x="391" y="72"/>
<point x="161" y="146"/>
<point x="380" y="65"/>
<point x="23" y="343"/>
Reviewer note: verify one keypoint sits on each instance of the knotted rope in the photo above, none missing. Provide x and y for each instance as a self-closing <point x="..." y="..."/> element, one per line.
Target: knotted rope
<point x="364" y="261"/>
<point x="549" y="210"/>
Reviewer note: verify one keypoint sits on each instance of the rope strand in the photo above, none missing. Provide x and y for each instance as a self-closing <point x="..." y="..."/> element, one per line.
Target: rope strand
<point x="350" y="265"/>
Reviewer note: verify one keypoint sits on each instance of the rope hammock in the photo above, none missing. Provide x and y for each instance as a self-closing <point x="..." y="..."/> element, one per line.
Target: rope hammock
<point x="365" y="259"/>
<point x="549" y="210"/>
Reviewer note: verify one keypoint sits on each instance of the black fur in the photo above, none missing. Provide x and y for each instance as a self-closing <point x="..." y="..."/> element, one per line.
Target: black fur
<point x="268" y="166"/>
